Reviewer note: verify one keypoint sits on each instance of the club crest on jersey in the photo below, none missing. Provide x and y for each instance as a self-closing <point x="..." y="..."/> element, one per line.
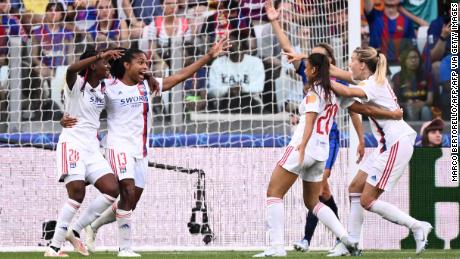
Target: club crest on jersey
<point x="122" y="169"/>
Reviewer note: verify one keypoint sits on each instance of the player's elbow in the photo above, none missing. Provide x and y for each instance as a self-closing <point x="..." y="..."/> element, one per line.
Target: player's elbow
<point x="364" y="110"/>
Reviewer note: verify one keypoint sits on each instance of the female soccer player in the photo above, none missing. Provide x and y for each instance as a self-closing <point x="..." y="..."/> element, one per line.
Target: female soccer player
<point x="129" y="122"/>
<point x="334" y="136"/>
<point x="383" y="168"/>
<point x="305" y="157"/>
<point x="78" y="157"/>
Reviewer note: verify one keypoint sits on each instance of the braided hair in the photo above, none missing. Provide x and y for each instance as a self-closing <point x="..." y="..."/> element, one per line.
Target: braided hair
<point x="85" y="72"/>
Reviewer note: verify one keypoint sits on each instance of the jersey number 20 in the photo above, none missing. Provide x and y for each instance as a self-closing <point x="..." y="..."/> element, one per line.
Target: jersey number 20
<point x="322" y="123"/>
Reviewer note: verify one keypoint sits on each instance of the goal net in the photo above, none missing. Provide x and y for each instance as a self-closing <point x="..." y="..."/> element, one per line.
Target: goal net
<point x="231" y="119"/>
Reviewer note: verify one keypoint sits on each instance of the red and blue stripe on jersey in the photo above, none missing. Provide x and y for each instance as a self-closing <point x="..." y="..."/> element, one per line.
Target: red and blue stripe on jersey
<point x="143" y="92"/>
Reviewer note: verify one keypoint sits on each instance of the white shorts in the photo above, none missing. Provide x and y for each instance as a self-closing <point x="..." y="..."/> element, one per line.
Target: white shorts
<point x="384" y="169"/>
<point x="310" y="171"/>
<point x="127" y="167"/>
<point x="76" y="163"/>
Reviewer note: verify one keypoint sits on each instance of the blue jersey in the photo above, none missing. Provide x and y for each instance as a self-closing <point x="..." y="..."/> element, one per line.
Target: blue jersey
<point x="334" y="145"/>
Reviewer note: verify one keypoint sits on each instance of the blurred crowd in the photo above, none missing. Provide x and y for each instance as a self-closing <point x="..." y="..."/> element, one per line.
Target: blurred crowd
<point x="254" y="77"/>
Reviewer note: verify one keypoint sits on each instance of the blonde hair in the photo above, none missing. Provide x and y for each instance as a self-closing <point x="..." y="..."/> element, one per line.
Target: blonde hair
<point x="375" y="61"/>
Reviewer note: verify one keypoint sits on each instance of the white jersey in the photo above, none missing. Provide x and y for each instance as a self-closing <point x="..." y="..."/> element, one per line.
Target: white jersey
<point x="314" y="101"/>
<point x="86" y="104"/>
<point x="386" y="131"/>
<point x="129" y="116"/>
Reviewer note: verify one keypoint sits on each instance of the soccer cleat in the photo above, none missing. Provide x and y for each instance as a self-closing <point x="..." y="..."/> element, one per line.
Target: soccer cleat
<point x="301" y="245"/>
<point x="50" y="252"/>
<point x="421" y="236"/>
<point x="352" y="246"/>
<point x="76" y="243"/>
<point x="272" y="252"/>
<point x="339" y="250"/>
<point x="337" y="241"/>
<point x="128" y="253"/>
<point x="90" y="238"/>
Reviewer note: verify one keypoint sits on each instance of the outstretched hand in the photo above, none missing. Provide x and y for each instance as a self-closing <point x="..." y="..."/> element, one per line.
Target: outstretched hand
<point x="219" y="48"/>
<point x="112" y="54"/>
<point x="293" y="57"/>
<point x="272" y="13"/>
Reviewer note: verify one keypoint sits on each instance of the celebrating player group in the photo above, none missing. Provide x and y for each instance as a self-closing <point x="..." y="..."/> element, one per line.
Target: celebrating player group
<point x="126" y="97"/>
<point x="119" y="81"/>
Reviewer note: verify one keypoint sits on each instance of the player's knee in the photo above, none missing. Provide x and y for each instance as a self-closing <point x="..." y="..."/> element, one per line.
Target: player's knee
<point x="77" y="194"/>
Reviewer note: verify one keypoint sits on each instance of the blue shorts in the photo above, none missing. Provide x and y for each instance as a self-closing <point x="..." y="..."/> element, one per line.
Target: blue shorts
<point x="334" y="145"/>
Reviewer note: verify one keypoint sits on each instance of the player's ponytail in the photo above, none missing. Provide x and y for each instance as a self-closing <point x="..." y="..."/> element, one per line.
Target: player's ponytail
<point x="375" y="61"/>
<point x="381" y="69"/>
<point x="321" y="63"/>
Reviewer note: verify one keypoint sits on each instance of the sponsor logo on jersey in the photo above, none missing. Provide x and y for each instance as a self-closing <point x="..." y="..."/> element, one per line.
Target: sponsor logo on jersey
<point x="97" y="101"/>
<point x="134" y="100"/>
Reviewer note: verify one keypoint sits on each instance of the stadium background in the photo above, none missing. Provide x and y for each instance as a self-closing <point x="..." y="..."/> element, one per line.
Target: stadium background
<point x="236" y="149"/>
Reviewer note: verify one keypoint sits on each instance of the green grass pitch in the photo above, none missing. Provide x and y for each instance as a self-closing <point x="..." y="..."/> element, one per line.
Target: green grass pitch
<point x="396" y="254"/>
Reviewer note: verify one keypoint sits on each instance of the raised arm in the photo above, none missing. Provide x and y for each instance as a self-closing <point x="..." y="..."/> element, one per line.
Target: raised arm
<point x="341" y="74"/>
<point x="218" y="48"/>
<point x="376" y="112"/>
<point x="273" y="15"/>
<point x="72" y="70"/>
<point x="358" y="125"/>
<point x="344" y="91"/>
